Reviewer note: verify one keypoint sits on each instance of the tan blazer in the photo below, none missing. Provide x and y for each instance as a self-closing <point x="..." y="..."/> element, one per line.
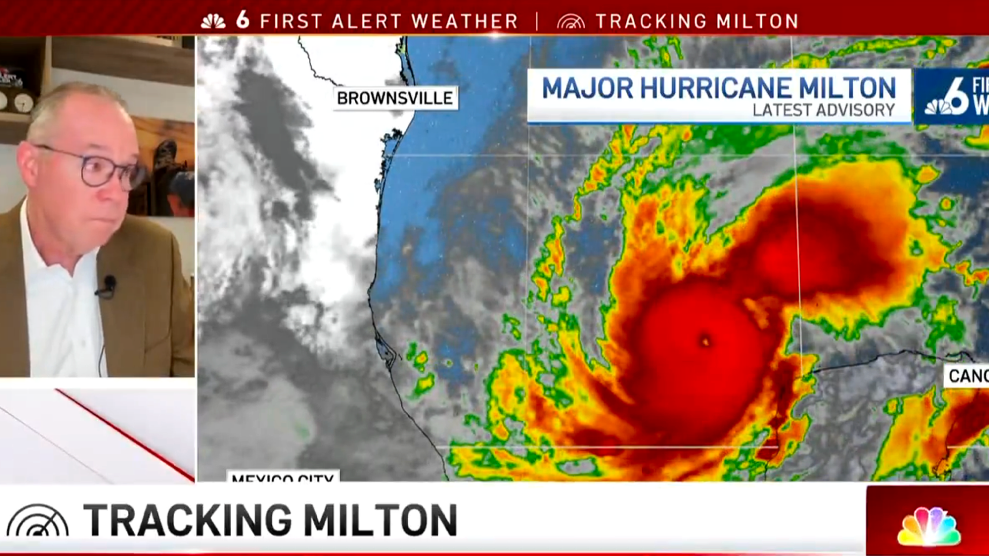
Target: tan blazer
<point x="148" y="326"/>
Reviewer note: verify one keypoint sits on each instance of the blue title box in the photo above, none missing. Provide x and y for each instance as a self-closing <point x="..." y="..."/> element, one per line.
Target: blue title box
<point x="951" y="96"/>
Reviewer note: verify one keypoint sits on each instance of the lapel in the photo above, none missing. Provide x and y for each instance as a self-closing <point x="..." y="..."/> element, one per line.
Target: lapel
<point x="13" y="298"/>
<point x="123" y="314"/>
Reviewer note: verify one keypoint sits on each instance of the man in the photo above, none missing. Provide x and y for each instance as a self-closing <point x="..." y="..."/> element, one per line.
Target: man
<point x="85" y="289"/>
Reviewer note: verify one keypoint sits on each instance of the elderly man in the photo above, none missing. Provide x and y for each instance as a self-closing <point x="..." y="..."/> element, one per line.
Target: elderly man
<point x="88" y="291"/>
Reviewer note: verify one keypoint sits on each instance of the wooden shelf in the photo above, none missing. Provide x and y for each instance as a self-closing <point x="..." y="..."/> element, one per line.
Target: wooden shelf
<point x="120" y="57"/>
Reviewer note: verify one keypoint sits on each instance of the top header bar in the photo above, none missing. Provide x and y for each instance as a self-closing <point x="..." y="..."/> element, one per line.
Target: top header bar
<point x="508" y="17"/>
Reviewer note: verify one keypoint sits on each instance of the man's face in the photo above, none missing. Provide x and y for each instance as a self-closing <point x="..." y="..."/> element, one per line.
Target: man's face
<point x="81" y="217"/>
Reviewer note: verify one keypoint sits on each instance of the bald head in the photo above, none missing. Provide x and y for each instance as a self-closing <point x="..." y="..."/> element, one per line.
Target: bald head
<point x="50" y="107"/>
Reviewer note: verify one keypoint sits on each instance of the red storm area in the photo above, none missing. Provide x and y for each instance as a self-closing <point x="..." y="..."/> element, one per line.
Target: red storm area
<point x="696" y="342"/>
<point x="838" y="251"/>
<point x="970" y="421"/>
<point x="698" y="354"/>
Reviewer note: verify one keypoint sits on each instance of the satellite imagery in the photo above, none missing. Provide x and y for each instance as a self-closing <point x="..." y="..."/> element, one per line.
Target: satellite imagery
<point x="457" y="295"/>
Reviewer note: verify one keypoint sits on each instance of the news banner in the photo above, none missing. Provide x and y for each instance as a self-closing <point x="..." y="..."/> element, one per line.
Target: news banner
<point x="296" y="514"/>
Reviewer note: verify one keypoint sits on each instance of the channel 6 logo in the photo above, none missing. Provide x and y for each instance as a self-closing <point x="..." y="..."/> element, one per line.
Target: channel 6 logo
<point x="951" y="96"/>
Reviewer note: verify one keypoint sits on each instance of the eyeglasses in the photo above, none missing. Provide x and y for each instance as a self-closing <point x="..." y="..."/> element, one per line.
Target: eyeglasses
<point x="96" y="171"/>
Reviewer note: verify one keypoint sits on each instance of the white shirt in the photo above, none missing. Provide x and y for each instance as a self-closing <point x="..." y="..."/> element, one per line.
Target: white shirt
<point x="64" y="327"/>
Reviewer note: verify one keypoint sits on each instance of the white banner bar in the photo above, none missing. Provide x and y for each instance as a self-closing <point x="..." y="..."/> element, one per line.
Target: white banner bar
<point x="720" y="96"/>
<point x="468" y="516"/>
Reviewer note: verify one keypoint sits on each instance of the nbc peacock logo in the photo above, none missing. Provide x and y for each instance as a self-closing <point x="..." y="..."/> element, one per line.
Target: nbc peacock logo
<point x="933" y="527"/>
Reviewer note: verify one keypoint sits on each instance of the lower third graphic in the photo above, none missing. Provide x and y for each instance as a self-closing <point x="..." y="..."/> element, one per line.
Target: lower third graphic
<point x="37" y="520"/>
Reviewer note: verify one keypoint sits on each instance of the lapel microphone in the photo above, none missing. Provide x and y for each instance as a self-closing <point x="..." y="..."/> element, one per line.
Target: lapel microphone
<point x="109" y="285"/>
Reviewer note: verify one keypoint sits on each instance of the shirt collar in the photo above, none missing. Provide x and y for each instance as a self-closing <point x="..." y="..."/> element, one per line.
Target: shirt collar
<point x="32" y="259"/>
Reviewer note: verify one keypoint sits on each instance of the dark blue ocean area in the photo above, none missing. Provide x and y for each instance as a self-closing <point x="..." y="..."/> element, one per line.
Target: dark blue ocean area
<point x="435" y="153"/>
<point x="963" y="175"/>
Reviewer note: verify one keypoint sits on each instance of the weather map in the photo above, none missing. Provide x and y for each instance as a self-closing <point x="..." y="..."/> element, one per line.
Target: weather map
<point x="460" y="296"/>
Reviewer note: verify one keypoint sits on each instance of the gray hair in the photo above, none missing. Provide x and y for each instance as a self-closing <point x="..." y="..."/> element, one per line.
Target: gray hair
<point x="46" y="111"/>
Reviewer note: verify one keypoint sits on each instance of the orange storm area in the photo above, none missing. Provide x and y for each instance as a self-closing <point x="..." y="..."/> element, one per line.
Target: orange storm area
<point x="929" y="436"/>
<point x="700" y="351"/>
